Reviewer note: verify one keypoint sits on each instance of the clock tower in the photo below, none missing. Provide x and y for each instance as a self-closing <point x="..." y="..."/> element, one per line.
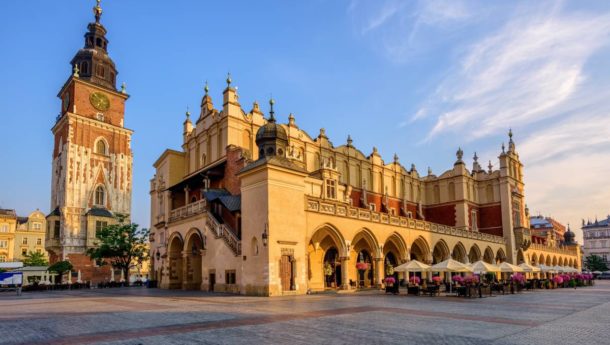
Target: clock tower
<point x="92" y="159"/>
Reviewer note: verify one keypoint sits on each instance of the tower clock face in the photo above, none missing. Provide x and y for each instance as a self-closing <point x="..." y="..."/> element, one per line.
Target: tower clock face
<point x="99" y="101"/>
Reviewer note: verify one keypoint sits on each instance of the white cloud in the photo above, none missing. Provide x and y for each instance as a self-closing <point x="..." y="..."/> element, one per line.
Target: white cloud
<point x="524" y="73"/>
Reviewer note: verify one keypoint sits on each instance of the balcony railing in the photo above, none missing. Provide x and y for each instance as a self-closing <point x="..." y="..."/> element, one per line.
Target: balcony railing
<point x="187" y="211"/>
<point x="343" y="210"/>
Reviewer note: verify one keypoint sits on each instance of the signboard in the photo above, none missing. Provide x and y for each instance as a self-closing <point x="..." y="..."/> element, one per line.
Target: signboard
<point x="11" y="265"/>
<point x="11" y="278"/>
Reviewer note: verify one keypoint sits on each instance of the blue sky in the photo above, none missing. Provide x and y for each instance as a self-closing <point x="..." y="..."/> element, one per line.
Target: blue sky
<point x="416" y="78"/>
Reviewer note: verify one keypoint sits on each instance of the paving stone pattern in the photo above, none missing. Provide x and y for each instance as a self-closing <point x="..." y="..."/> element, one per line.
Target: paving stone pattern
<point x="131" y="316"/>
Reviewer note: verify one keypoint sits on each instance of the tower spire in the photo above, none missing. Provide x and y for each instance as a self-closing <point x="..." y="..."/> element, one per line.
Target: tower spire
<point x="271" y="112"/>
<point x="97" y="11"/>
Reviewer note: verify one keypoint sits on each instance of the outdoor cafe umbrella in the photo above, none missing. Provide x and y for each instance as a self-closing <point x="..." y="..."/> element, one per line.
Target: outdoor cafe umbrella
<point x="597" y="272"/>
<point x="558" y="268"/>
<point x="482" y="266"/>
<point x="412" y="266"/>
<point x="529" y="268"/>
<point x="545" y="268"/>
<point x="509" y="268"/>
<point x="450" y="265"/>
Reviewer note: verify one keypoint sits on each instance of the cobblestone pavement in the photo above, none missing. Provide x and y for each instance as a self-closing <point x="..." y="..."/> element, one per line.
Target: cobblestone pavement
<point x="151" y="316"/>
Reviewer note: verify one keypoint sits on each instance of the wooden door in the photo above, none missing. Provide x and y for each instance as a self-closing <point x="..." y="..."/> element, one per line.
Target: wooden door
<point x="286" y="272"/>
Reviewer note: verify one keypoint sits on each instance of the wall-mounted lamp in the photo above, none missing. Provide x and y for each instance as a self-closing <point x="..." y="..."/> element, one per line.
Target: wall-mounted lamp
<point x="265" y="235"/>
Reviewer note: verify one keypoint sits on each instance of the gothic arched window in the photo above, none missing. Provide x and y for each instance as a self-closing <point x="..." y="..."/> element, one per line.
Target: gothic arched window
<point x="100" y="147"/>
<point x="100" y="195"/>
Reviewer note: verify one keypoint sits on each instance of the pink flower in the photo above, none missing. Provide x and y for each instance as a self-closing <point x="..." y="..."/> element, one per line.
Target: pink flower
<point x="415" y="280"/>
<point x="558" y="279"/>
<point x="457" y="279"/>
<point x="436" y="279"/>
<point x="390" y="280"/>
<point x="362" y="266"/>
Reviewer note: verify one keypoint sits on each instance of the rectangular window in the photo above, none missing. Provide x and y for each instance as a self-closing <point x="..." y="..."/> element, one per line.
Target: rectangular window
<point x="38" y="250"/>
<point x="4" y="228"/>
<point x="473" y="220"/>
<point x="24" y="251"/>
<point x="99" y="225"/>
<point x="3" y="243"/>
<point x="2" y="258"/>
<point x="39" y="241"/>
<point x="331" y="189"/>
<point x="24" y="240"/>
<point x="230" y="277"/>
<point x="37" y="226"/>
<point x="56" y="229"/>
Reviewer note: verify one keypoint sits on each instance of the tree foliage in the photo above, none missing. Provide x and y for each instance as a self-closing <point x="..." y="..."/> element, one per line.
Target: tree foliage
<point x="35" y="259"/>
<point x="61" y="267"/>
<point x="595" y="263"/>
<point x="120" y="245"/>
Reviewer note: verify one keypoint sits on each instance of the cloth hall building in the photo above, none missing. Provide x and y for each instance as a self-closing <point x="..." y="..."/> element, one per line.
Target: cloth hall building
<point x="252" y="206"/>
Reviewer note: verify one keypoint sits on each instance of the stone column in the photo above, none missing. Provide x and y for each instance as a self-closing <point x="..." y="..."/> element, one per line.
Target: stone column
<point x="185" y="264"/>
<point x="345" y="273"/>
<point x="379" y="272"/>
<point x="186" y="195"/>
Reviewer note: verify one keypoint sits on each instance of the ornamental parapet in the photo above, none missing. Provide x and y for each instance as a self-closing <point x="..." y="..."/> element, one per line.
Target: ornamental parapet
<point x="556" y="250"/>
<point x="342" y="210"/>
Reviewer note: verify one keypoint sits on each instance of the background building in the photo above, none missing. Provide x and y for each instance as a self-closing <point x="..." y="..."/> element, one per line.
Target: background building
<point x="256" y="207"/>
<point x="92" y="158"/>
<point x="8" y="224"/>
<point x="21" y="235"/>
<point x="546" y="230"/>
<point x="596" y="237"/>
<point x="30" y="235"/>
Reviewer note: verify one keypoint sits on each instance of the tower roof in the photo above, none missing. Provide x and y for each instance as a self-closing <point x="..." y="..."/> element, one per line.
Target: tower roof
<point x="93" y="62"/>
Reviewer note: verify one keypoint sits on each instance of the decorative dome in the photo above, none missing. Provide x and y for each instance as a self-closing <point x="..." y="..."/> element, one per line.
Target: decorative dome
<point x="569" y="236"/>
<point x="271" y="130"/>
<point x="271" y="138"/>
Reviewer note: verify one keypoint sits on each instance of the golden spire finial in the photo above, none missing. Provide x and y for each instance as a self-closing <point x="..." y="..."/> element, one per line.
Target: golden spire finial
<point x="97" y="11"/>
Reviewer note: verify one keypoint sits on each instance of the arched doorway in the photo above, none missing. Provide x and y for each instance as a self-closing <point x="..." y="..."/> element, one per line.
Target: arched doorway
<point x="364" y="251"/>
<point x="474" y="254"/>
<point x="489" y="256"/>
<point x="440" y="252"/>
<point x="420" y="250"/>
<point x="194" y="245"/>
<point x="332" y="268"/>
<point x="326" y="246"/>
<point x="459" y="253"/>
<point x="175" y="262"/>
<point x="500" y="256"/>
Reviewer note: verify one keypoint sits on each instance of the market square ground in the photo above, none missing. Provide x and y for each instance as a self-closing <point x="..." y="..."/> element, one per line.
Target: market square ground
<point x="153" y="316"/>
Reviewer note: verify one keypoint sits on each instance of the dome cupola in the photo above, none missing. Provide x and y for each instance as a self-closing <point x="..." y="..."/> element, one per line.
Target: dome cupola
<point x="271" y="138"/>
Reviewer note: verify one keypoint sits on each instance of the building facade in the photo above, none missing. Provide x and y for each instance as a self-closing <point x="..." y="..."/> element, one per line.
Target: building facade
<point x="546" y="230"/>
<point x="8" y="225"/>
<point x="596" y="237"/>
<point x="252" y="206"/>
<point x="92" y="158"/>
<point x="30" y="235"/>
<point x="20" y="236"/>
